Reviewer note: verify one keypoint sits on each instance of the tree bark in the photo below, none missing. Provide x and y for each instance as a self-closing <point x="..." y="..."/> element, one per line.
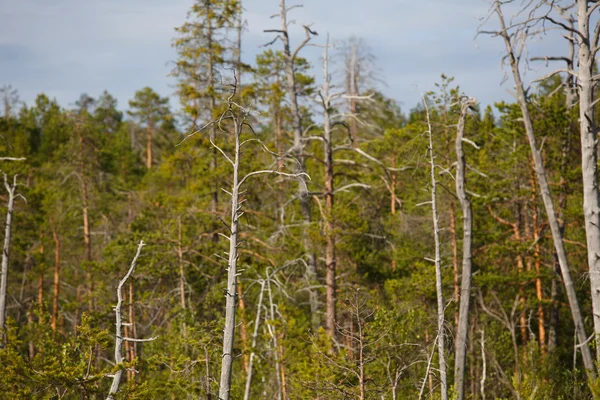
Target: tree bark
<point x="230" y="295"/>
<point x="119" y="337"/>
<point x="254" y="338"/>
<point x="589" y="156"/>
<point x="352" y="76"/>
<point x="438" y="265"/>
<point x="455" y="261"/>
<point x="330" y="256"/>
<point x="275" y="347"/>
<point x="465" y="287"/>
<point x="243" y="328"/>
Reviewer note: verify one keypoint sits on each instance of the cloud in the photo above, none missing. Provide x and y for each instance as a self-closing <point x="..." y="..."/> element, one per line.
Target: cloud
<point x="66" y="47"/>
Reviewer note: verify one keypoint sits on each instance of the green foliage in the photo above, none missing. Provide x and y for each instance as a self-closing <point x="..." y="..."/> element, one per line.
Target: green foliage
<point x="90" y="161"/>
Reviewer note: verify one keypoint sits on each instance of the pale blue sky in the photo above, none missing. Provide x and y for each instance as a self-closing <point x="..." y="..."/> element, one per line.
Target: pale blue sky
<point x="66" y="47"/>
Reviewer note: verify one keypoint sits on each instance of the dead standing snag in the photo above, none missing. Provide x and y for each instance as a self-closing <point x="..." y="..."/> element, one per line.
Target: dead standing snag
<point x="234" y="119"/>
<point x="119" y="339"/>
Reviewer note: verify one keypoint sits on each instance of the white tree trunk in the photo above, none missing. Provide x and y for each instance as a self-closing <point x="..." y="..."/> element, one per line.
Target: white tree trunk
<point x="230" y="294"/>
<point x="273" y="334"/>
<point x="5" y="255"/>
<point x="254" y="337"/>
<point x="119" y="338"/>
<point x="465" y="286"/>
<point x="589" y="157"/>
<point x="438" y="266"/>
<point x="237" y="116"/>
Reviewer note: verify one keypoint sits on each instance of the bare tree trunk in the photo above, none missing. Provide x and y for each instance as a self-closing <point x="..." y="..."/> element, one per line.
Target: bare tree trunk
<point x="254" y="337"/>
<point x="570" y="99"/>
<point x="474" y="369"/>
<point x="5" y="255"/>
<point x="454" y="261"/>
<point x="429" y="376"/>
<point x="298" y="152"/>
<point x="237" y="118"/>
<point x="282" y="366"/>
<point x="119" y="337"/>
<point x="438" y="266"/>
<point x="132" y="354"/>
<point x="330" y="257"/>
<point x="243" y="328"/>
<point x="56" y="289"/>
<point x="352" y="74"/>
<point x="547" y="199"/>
<point x="465" y="287"/>
<point x="273" y="334"/>
<point x="238" y="48"/>
<point x="587" y="48"/>
<point x="484" y="366"/>
<point x="230" y="295"/>
<point x="562" y="204"/>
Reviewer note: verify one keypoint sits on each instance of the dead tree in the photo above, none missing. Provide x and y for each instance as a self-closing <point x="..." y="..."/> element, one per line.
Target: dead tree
<point x="12" y="195"/>
<point x="10" y="99"/>
<point x="330" y="257"/>
<point x="234" y="119"/>
<point x="359" y="71"/>
<point x="465" y="287"/>
<point x="570" y="100"/>
<point x="587" y="48"/>
<point x="254" y="338"/>
<point x="437" y="262"/>
<point x="297" y="149"/>
<point x="279" y="375"/>
<point x="578" y="18"/>
<point x="514" y="40"/>
<point x="325" y="99"/>
<point x="119" y="338"/>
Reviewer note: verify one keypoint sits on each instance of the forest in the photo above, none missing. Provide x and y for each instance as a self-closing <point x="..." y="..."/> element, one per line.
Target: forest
<point x="288" y="232"/>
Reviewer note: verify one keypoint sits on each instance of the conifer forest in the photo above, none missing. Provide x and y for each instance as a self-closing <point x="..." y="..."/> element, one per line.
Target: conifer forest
<point x="282" y="229"/>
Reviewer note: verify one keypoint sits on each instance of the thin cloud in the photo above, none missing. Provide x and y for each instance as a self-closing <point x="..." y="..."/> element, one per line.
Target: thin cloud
<point x="66" y="47"/>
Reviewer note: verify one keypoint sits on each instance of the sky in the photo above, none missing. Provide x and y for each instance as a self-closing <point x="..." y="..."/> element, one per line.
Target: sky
<point x="64" y="48"/>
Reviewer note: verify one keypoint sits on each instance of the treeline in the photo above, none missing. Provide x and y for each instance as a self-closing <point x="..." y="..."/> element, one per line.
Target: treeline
<point x="340" y="281"/>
